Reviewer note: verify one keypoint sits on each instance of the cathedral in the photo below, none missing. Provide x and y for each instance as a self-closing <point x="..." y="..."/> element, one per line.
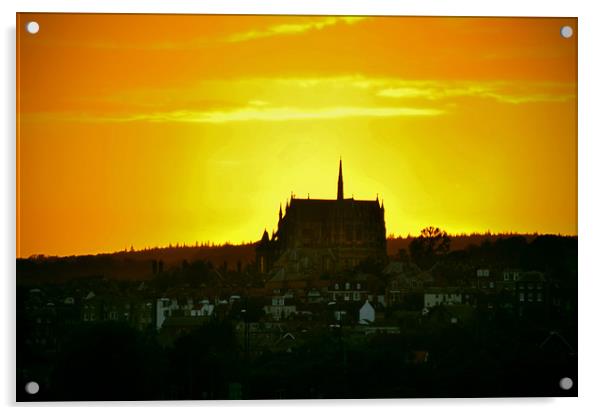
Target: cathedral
<point x="324" y="236"/>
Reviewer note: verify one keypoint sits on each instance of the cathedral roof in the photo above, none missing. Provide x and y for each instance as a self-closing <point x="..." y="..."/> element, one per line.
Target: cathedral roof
<point x="324" y="208"/>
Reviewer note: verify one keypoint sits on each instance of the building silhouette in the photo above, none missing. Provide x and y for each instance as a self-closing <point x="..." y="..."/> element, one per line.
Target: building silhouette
<point x="323" y="236"/>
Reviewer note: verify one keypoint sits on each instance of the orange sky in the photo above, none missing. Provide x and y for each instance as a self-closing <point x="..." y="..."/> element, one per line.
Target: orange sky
<point x="146" y="130"/>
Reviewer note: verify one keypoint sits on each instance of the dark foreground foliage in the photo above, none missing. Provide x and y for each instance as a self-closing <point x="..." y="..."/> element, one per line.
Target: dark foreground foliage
<point x="111" y="361"/>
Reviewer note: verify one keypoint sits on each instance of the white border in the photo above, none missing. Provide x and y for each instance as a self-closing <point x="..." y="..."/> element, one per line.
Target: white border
<point x="590" y="206"/>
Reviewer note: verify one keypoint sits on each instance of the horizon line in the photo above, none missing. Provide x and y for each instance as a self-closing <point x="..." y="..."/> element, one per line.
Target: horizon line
<point x="212" y="244"/>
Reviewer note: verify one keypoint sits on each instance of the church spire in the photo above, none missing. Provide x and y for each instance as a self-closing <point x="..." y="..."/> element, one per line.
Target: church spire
<point x="340" y="187"/>
<point x="265" y="238"/>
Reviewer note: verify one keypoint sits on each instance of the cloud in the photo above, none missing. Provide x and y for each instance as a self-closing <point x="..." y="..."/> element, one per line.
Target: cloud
<point x="286" y="114"/>
<point x="516" y="92"/>
<point x="504" y="92"/>
<point x="253" y="113"/>
<point x="292" y="114"/>
<point x="221" y="101"/>
<point x="292" y="28"/>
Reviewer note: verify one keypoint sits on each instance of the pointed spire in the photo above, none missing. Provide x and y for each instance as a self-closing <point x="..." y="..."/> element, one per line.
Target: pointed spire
<point x="340" y="185"/>
<point x="280" y="213"/>
<point x="265" y="237"/>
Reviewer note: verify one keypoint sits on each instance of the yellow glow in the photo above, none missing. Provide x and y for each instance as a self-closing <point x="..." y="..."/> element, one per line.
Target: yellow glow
<point x="196" y="128"/>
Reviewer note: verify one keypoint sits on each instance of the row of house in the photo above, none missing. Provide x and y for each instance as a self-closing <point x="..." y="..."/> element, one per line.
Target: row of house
<point x="357" y="298"/>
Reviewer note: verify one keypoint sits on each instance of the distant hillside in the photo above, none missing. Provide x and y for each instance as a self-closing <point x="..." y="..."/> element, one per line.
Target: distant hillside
<point x="138" y="265"/>
<point x="129" y="265"/>
<point x="458" y="242"/>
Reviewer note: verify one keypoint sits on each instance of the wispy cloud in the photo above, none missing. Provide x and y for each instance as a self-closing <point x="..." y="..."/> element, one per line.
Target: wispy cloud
<point x="292" y="114"/>
<point x="221" y="101"/>
<point x="292" y="28"/>
<point x="252" y="113"/>
<point x="505" y="92"/>
<point x="515" y="92"/>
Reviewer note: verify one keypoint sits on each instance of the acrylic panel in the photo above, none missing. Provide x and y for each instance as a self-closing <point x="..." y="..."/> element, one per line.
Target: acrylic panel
<point x="215" y="207"/>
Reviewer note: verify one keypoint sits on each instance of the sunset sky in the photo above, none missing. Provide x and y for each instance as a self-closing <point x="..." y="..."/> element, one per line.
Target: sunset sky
<point x="146" y="130"/>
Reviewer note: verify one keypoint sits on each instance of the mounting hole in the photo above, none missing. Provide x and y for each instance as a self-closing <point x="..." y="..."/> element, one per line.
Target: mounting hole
<point x="566" y="383"/>
<point x="32" y="27"/>
<point x="32" y="388"/>
<point x="566" y="32"/>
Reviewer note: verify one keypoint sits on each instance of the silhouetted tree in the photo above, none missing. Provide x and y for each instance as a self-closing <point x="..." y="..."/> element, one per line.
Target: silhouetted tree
<point x="432" y="244"/>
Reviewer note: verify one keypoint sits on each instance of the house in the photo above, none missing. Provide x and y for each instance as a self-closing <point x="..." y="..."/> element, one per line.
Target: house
<point x="367" y="314"/>
<point x="184" y="307"/>
<point x="281" y="308"/>
<point x="495" y="289"/>
<point x="485" y="281"/>
<point x="405" y="284"/>
<point x="285" y="343"/>
<point x="531" y="287"/>
<point x="434" y="296"/>
<point x="314" y="296"/>
<point x="511" y="275"/>
<point x="348" y="289"/>
<point x="165" y="308"/>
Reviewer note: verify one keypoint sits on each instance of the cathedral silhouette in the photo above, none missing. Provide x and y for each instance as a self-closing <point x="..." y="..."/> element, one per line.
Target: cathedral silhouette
<point x="323" y="236"/>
